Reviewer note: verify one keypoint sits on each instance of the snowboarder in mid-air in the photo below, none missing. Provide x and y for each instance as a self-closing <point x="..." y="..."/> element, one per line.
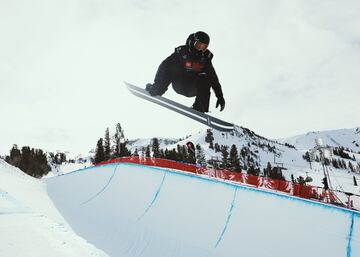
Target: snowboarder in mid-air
<point x="191" y="73"/>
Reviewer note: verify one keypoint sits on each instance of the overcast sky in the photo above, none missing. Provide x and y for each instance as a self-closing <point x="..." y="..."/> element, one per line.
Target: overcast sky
<point x="286" y="67"/>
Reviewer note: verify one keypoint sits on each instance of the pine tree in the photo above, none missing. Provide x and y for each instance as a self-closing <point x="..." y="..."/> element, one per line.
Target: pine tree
<point x="217" y="148"/>
<point x="292" y="178"/>
<point x="244" y="153"/>
<point x="118" y="139"/>
<point x="15" y="156"/>
<point x="253" y="171"/>
<point x="167" y="154"/>
<point x="136" y="154"/>
<point x="100" y="153"/>
<point x="327" y="162"/>
<point x="190" y="155"/>
<point x="25" y="159"/>
<point x="351" y="167"/>
<point x="200" y="156"/>
<point x="307" y="157"/>
<point x="162" y="153"/>
<point x="234" y="159"/>
<point x="31" y="161"/>
<point x="180" y="154"/>
<point x="62" y="157"/>
<point x="155" y="147"/>
<point x="225" y="156"/>
<point x="184" y="153"/>
<point x="147" y="152"/>
<point x="107" y="146"/>
<point x="173" y="155"/>
<point x="268" y="170"/>
<point x="124" y="151"/>
<point x="39" y="163"/>
<point x="59" y="158"/>
<point x="335" y="163"/>
<point x="344" y="164"/>
<point x="340" y="164"/>
<point x="210" y="138"/>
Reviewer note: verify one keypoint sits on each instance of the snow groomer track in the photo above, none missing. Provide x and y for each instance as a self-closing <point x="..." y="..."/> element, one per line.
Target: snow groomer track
<point x="135" y="210"/>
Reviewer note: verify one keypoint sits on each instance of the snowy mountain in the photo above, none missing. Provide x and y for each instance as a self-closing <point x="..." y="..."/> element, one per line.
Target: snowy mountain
<point x="28" y="213"/>
<point x="285" y="153"/>
<point x="141" y="144"/>
<point x="348" y="138"/>
<point x="260" y="149"/>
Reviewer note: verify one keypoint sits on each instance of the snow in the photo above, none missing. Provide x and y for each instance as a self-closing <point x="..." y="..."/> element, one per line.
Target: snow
<point x="349" y="138"/>
<point x="30" y="224"/>
<point x="290" y="158"/>
<point x="66" y="167"/>
<point x="142" y="143"/>
<point x="132" y="210"/>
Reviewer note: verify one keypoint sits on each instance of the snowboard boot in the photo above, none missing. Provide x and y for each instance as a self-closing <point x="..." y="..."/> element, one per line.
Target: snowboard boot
<point x="199" y="107"/>
<point x="152" y="89"/>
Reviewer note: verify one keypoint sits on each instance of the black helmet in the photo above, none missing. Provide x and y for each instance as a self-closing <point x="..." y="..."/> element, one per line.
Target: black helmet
<point x="202" y="37"/>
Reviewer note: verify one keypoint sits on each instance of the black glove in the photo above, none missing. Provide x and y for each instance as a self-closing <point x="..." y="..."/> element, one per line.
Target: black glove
<point x="151" y="89"/>
<point x="220" y="101"/>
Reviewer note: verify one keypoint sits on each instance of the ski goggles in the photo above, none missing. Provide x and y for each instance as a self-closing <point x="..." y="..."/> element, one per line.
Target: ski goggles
<point x="200" y="46"/>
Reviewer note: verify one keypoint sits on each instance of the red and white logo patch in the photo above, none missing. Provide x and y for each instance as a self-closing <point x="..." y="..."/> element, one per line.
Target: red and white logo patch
<point x="195" y="66"/>
<point x="188" y="64"/>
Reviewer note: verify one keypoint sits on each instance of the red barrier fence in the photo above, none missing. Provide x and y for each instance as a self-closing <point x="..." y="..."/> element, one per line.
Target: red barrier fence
<point x="290" y="188"/>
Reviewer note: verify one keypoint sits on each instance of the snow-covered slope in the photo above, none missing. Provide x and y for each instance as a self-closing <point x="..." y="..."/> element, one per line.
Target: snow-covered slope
<point x="30" y="225"/>
<point x="284" y="153"/>
<point x="348" y="138"/>
<point x="262" y="149"/>
<point x="132" y="210"/>
<point x="141" y="143"/>
<point x="66" y="167"/>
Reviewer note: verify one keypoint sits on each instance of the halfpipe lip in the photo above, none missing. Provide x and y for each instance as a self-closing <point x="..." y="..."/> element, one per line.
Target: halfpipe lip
<point x="224" y="182"/>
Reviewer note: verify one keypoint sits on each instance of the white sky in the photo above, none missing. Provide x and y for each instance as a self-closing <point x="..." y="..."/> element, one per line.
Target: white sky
<point x="286" y="67"/>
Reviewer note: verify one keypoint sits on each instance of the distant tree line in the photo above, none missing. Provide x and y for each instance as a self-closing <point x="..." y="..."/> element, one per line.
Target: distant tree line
<point x="341" y="164"/>
<point x="181" y="153"/>
<point x="58" y="158"/>
<point x="231" y="158"/>
<point x="344" y="162"/>
<point x="31" y="161"/>
<point x="342" y="152"/>
<point x="107" y="149"/>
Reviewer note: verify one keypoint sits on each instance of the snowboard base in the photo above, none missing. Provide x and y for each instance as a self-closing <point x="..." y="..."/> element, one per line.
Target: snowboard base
<point x="203" y="118"/>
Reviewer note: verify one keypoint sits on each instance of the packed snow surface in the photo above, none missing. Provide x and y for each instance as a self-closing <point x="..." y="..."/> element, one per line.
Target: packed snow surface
<point x="30" y="225"/>
<point x="130" y="210"/>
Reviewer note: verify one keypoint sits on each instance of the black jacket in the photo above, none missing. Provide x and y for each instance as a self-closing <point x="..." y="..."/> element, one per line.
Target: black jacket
<point x="186" y="64"/>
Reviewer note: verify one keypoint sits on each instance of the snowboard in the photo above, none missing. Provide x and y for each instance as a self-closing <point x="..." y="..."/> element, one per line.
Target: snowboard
<point x="203" y="118"/>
